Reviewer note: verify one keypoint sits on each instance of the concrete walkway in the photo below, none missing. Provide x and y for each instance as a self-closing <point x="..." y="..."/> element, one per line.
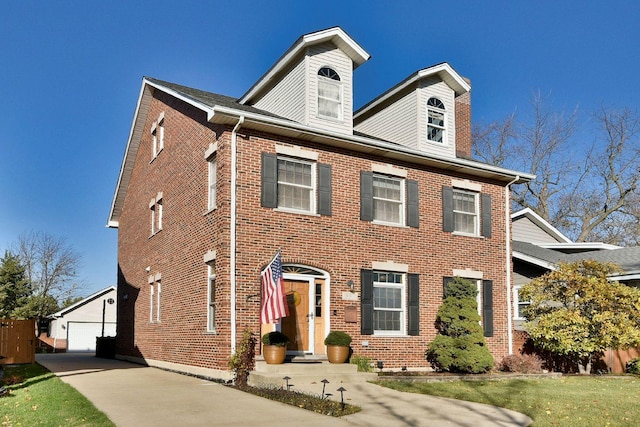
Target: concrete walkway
<point x="137" y="396"/>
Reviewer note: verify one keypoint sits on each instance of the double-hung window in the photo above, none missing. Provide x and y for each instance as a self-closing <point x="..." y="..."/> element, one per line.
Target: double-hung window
<point x="329" y="94"/>
<point x="519" y="306"/>
<point x="155" y="297"/>
<point x="389" y="303"/>
<point x="211" y="297"/>
<point x="465" y="212"/>
<point x="155" y="206"/>
<point x="435" y="120"/>
<point x="296" y="184"/>
<point x="388" y="199"/>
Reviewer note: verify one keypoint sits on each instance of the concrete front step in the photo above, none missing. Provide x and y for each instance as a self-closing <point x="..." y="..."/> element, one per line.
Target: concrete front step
<point x="304" y="373"/>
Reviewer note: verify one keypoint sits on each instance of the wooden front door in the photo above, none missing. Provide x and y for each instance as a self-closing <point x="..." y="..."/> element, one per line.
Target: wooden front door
<point x="297" y="326"/>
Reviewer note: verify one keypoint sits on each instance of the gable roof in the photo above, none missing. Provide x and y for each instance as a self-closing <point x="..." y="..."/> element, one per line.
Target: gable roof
<point x="540" y="223"/>
<point x="443" y="71"/>
<point x="335" y="35"/>
<point x="82" y="302"/>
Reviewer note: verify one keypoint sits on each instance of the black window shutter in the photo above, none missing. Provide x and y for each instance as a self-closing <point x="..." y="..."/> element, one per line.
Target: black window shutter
<point x="487" y="307"/>
<point x="447" y="209"/>
<point x="445" y="284"/>
<point x="366" y="302"/>
<point x="324" y="189"/>
<point x="269" y="196"/>
<point x="366" y="196"/>
<point x="413" y="207"/>
<point x="486" y="215"/>
<point x="413" y="303"/>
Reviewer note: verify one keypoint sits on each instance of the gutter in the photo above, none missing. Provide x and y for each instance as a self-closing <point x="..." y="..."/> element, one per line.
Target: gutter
<point x="509" y="266"/>
<point x="232" y="243"/>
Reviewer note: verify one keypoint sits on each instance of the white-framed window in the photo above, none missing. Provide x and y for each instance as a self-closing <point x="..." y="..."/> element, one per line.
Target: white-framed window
<point x="152" y="208"/>
<point x="388" y="199"/>
<point x="151" y="301"/>
<point x="519" y="306"/>
<point x="436" y="115"/>
<point x="155" y="207"/>
<point x="154" y="136"/>
<point x="158" y="300"/>
<point x="296" y="184"/>
<point x="466" y="212"/>
<point x="213" y="180"/>
<point x="158" y="211"/>
<point x="161" y="133"/>
<point x="211" y="297"/>
<point x="389" y="303"/>
<point x="329" y="94"/>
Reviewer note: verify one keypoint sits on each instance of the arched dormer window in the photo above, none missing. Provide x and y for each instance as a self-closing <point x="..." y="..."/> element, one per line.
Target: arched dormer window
<point x="435" y="120"/>
<point x="329" y="94"/>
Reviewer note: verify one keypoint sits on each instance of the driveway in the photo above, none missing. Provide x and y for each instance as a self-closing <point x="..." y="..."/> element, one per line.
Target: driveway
<point x="136" y="396"/>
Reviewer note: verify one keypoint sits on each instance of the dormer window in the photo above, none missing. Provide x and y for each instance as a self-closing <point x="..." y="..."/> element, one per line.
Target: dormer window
<point x="435" y="120"/>
<point x="329" y="94"/>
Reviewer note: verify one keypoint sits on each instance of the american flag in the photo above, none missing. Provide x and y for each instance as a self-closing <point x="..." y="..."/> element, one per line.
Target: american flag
<point x="274" y="306"/>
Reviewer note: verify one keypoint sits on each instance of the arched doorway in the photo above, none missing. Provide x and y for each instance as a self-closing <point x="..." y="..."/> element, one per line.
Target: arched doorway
<point x="307" y="294"/>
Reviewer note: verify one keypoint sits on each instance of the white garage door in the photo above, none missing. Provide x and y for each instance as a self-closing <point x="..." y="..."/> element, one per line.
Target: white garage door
<point x="81" y="336"/>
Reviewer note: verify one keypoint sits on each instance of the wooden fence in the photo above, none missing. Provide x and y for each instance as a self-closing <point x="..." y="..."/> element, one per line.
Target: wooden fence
<point x="17" y="341"/>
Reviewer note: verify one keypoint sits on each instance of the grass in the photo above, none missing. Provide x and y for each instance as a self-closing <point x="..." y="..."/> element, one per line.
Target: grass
<point x="567" y="401"/>
<point x="38" y="398"/>
<point x="306" y="401"/>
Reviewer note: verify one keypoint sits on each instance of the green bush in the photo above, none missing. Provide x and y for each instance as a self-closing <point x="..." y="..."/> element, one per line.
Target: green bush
<point x="339" y="338"/>
<point x="275" y="338"/>
<point x="460" y="345"/>
<point x="633" y="366"/>
<point x="364" y="363"/>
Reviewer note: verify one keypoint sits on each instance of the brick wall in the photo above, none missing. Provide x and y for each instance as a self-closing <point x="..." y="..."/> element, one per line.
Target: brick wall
<point x="463" y="126"/>
<point x="340" y="244"/>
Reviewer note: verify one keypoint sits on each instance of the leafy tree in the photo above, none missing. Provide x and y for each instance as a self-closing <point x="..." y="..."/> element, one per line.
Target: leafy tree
<point x="595" y="195"/>
<point x="35" y="306"/>
<point x="50" y="267"/>
<point x="577" y="312"/>
<point x="460" y="345"/>
<point x="14" y="287"/>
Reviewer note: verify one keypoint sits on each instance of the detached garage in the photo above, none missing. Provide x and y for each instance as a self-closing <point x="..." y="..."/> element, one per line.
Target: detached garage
<point x="79" y="324"/>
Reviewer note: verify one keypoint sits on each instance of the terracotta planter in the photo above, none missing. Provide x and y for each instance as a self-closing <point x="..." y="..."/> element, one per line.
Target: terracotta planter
<point x="274" y="354"/>
<point x="337" y="353"/>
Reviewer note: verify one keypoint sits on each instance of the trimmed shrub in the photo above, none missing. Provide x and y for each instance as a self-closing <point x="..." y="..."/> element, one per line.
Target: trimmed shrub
<point x="460" y="345"/>
<point x="522" y="364"/>
<point x="633" y="366"/>
<point x="275" y="338"/>
<point x="340" y="338"/>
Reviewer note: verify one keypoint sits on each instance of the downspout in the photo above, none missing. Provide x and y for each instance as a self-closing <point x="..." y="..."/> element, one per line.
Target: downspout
<point x="232" y="245"/>
<point x="508" y="261"/>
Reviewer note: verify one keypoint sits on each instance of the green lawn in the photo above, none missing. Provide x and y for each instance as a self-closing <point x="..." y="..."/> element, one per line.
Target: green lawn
<point x="566" y="401"/>
<point x="39" y="398"/>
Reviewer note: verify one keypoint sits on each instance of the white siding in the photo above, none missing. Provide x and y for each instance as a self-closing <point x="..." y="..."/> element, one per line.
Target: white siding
<point x="328" y="55"/>
<point x="287" y="98"/>
<point x="89" y="312"/>
<point x="524" y="230"/>
<point x="396" y="123"/>
<point x="433" y="87"/>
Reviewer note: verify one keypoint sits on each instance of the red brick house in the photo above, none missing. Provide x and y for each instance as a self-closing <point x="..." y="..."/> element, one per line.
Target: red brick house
<point x="372" y="210"/>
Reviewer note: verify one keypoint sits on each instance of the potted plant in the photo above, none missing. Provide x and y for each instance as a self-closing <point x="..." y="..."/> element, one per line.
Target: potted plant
<point x="337" y="343"/>
<point x="274" y="347"/>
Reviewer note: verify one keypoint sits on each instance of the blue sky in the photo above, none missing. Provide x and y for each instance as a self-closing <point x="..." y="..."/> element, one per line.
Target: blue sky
<point x="70" y="75"/>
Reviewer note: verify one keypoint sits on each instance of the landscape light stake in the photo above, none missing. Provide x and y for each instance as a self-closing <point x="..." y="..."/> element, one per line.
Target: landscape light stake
<point x="287" y="378"/>
<point x="341" y="390"/>
<point x="324" y="384"/>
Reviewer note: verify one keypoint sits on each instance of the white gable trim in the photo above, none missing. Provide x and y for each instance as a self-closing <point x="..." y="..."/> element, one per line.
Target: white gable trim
<point x="336" y="35"/>
<point x="81" y="302"/>
<point x="540" y="222"/>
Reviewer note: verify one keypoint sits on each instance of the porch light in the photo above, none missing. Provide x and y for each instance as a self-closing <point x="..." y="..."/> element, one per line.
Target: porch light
<point x="351" y="285"/>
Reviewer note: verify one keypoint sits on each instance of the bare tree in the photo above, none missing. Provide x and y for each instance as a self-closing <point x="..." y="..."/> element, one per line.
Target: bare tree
<point x="51" y="268"/>
<point x="591" y="195"/>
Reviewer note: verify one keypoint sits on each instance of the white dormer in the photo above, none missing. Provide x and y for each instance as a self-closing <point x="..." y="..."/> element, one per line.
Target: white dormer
<point x="312" y="83"/>
<point x="419" y="112"/>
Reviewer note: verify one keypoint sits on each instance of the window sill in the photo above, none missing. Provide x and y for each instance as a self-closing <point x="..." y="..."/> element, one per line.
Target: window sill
<point x="213" y="209"/>
<point x="458" y="233"/>
<point x="156" y="156"/>
<point x="331" y="119"/>
<point x="390" y="335"/>
<point x="389" y="224"/>
<point x="155" y="233"/>
<point x="293" y="211"/>
<point x="210" y="332"/>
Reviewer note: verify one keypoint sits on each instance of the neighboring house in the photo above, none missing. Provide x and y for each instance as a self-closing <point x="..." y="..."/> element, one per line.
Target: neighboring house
<point x="372" y="210"/>
<point x="76" y="327"/>
<point x="538" y="247"/>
